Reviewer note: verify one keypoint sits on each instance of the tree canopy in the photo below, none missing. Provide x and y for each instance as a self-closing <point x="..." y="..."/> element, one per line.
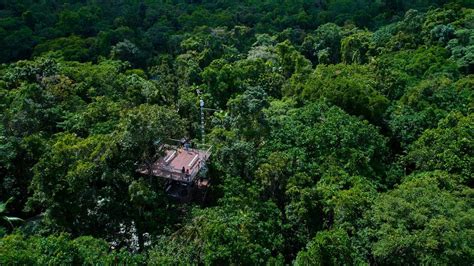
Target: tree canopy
<point x="341" y="132"/>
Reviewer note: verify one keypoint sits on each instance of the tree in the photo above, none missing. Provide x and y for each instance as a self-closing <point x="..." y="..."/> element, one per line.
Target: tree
<point x="70" y="183"/>
<point x="397" y="72"/>
<point x="81" y="22"/>
<point x="462" y="49"/>
<point x="356" y="48"/>
<point x="344" y="199"/>
<point x="301" y="162"/>
<point x="100" y="116"/>
<point x="127" y="51"/>
<point x="351" y="87"/>
<point x="323" y="46"/>
<point x="437" y="28"/>
<point x="225" y="79"/>
<point x="223" y="234"/>
<point x="449" y="147"/>
<point x="61" y="249"/>
<point x="424" y="105"/>
<point x="319" y="136"/>
<point x="143" y="130"/>
<point x="364" y="159"/>
<point x="427" y="219"/>
<point x="327" y="248"/>
<point x="246" y="112"/>
<point x="273" y="176"/>
<point x="17" y="40"/>
<point x="72" y="48"/>
<point x="7" y="219"/>
<point x="290" y="61"/>
<point x="81" y="182"/>
<point x="408" y="31"/>
<point x="234" y="157"/>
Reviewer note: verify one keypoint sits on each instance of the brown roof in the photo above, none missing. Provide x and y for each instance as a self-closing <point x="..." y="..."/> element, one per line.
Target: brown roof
<point x="171" y="165"/>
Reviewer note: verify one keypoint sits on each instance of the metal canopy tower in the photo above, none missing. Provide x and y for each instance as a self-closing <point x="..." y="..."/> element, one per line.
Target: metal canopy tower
<point x="201" y="106"/>
<point x="203" y="137"/>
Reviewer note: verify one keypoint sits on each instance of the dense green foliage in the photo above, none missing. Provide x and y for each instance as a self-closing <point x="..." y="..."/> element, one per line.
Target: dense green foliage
<point x="342" y="131"/>
<point x="61" y="250"/>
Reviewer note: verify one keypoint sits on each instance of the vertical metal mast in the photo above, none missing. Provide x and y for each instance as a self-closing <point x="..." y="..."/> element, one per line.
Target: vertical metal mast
<point x="201" y="105"/>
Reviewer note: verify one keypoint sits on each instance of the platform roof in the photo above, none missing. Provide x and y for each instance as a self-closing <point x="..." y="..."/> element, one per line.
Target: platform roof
<point x="171" y="165"/>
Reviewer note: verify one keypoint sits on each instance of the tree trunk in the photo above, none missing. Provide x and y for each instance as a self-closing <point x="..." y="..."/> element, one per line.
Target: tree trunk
<point x="141" y="240"/>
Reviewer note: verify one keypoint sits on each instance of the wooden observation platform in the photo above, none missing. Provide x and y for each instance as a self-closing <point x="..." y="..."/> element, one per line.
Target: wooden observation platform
<point x="183" y="169"/>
